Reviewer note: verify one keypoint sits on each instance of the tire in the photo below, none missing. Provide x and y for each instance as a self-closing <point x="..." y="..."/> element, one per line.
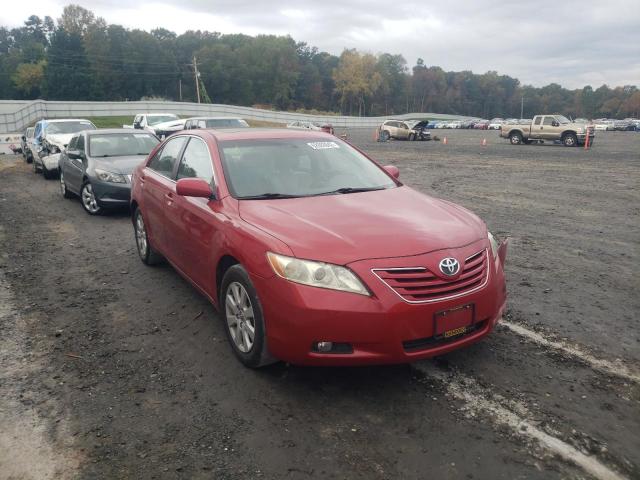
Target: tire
<point x="64" y="191"/>
<point x="515" y="138"/>
<point x="29" y="157"/>
<point x="570" y="140"/>
<point x="412" y="137"/>
<point x="146" y="252"/>
<point x="242" y="314"/>
<point x="35" y="167"/>
<point x="48" y="174"/>
<point x="384" y="136"/>
<point x="88" y="200"/>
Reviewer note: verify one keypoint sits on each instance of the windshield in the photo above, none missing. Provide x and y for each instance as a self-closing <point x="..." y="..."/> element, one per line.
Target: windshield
<point x="156" y="119"/>
<point x="297" y="167"/>
<point x="226" y="123"/>
<point x="121" y="144"/>
<point x="68" y="127"/>
<point x="562" y="119"/>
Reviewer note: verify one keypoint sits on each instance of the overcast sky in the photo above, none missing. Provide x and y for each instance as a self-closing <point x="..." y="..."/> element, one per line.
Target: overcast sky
<point x="574" y="43"/>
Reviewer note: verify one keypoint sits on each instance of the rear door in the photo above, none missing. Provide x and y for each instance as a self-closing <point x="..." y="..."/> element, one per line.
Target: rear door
<point x="190" y="222"/>
<point x="159" y="190"/>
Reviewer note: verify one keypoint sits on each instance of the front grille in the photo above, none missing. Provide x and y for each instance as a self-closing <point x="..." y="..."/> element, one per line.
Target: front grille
<point x="419" y="285"/>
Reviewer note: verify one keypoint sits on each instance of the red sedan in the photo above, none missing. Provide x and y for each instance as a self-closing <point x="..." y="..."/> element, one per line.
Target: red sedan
<point x="312" y="252"/>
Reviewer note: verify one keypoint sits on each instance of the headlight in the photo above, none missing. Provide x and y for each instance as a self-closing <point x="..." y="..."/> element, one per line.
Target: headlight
<point x="316" y="274"/>
<point x="110" y="176"/>
<point x="580" y="130"/>
<point x="494" y="244"/>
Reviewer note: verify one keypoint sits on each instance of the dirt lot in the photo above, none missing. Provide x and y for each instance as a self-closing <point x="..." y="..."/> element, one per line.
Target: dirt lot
<point x="111" y="369"/>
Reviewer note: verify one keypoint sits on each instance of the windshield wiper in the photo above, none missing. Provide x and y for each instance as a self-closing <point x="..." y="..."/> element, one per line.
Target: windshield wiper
<point x="344" y="190"/>
<point x="267" y="196"/>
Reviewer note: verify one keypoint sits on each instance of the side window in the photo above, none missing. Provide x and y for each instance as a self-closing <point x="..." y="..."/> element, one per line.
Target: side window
<point x="548" y="120"/>
<point x="201" y="124"/>
<point x="187" y="125"/>
<point x="164" y="161"/>
<point x="80" y="143"/>
<point x="537" y="121"/>
<point x="196" y="161"/>
<point x="72" y="143"/>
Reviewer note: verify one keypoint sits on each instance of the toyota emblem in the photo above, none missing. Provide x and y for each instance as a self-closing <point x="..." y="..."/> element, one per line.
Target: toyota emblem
<point x="449" y="266"/>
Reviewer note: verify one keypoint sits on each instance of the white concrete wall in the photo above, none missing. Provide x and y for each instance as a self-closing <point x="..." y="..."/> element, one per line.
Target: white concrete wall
<point x="15" y="116"/>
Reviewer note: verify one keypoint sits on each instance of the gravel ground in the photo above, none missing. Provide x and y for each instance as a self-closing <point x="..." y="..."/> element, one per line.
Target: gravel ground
<point x="111" y="369"/>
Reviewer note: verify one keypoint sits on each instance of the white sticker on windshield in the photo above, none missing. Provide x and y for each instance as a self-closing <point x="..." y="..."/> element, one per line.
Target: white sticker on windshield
<point x="323" y="145"/>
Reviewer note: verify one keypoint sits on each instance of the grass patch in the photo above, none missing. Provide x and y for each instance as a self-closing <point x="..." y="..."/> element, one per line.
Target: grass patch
<point x="111" y="122"/>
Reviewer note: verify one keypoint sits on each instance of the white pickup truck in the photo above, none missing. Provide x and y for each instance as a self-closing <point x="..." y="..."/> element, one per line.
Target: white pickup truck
<point x="160" y="124"/>
<point x="548" y="127"/>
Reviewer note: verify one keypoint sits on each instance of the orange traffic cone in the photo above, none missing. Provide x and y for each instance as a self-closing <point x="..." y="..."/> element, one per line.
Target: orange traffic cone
<point x="484" y="142"/>
<point x="444" y="141"/>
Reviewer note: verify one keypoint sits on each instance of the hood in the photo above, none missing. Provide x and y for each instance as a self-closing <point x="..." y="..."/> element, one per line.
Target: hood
<point x="170" y="125"/>
<point x="341" y="229"/>
<point x="124" y="165"/>
<point x="60" y="139"/>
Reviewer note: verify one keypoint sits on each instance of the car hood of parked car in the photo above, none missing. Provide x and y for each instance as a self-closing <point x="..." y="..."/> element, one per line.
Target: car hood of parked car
<point x="170" y="125"/>
<point x="341" y="229"/>
<point x="124" y="165"/>
<point x="60" y="139"/>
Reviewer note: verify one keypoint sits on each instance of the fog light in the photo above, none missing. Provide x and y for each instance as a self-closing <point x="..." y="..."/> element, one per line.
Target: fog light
<point x="324" y="346"/>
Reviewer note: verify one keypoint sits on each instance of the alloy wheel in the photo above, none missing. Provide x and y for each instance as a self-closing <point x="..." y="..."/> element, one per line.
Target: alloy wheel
<point x="89" y="199"/>
<point x="240" y="317"/>
<point x="141" y="236"/>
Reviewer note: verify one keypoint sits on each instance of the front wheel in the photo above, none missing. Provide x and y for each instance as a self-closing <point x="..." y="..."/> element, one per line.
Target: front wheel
<point x="384" y="136"/>
<point x="244" y="323"/>
<point x="570" y="140"/>
<point x="89" y="202"/>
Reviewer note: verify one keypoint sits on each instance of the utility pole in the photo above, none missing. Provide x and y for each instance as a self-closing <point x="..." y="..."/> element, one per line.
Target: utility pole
<point x="522" y="107"/>
<point x="197" y="76"/>
<point x="180" y="89"/>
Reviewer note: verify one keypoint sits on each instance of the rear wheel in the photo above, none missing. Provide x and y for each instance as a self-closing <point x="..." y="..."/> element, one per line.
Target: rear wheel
<point x="515" y="138"/>
<point x="244" y="323"/>
<point x="147" y="254"/>
<point x="570" y="140"/>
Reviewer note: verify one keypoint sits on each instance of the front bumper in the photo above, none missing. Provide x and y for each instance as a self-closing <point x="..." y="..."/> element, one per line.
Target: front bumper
<point x="381" y="329"/>
<point x="51" y="162"/>
<point x="111" y="195"/>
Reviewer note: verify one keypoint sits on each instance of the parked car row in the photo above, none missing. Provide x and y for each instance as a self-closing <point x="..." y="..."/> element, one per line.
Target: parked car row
<point x="404" y="130"/>
<point x="294" y="236"/>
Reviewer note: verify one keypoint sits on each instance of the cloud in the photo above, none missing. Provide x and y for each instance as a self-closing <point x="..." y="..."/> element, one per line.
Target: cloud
<point x="573" y="42"/>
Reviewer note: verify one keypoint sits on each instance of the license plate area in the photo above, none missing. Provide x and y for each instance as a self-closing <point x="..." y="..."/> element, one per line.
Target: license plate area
<point x="454" y="321"/>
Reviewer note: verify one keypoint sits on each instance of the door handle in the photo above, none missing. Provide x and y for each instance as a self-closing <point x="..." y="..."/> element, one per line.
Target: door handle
<point x="169" y="198"/>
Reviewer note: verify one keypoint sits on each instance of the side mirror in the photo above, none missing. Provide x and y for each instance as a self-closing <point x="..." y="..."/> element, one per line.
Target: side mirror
<point x="137" y="125"/>
<point x="194" y="187"/>
<point x="555" y="124"/>
<point x="73" y="154"/>
<point x="392" y="170"/>
<point x="24" y="139"/>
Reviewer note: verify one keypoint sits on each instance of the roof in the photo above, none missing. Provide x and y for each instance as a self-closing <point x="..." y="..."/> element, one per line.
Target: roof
<point x="60" y="120"/>
<point x="264" y="133"/>
<point x="103" y="131"/>
<point x="214" y="118"/>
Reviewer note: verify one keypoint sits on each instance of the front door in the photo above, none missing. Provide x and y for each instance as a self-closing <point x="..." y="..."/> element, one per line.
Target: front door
<point x="191" y="222"/>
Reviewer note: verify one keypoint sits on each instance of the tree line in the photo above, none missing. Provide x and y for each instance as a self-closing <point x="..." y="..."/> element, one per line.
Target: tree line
<point x="81" y="57"/>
